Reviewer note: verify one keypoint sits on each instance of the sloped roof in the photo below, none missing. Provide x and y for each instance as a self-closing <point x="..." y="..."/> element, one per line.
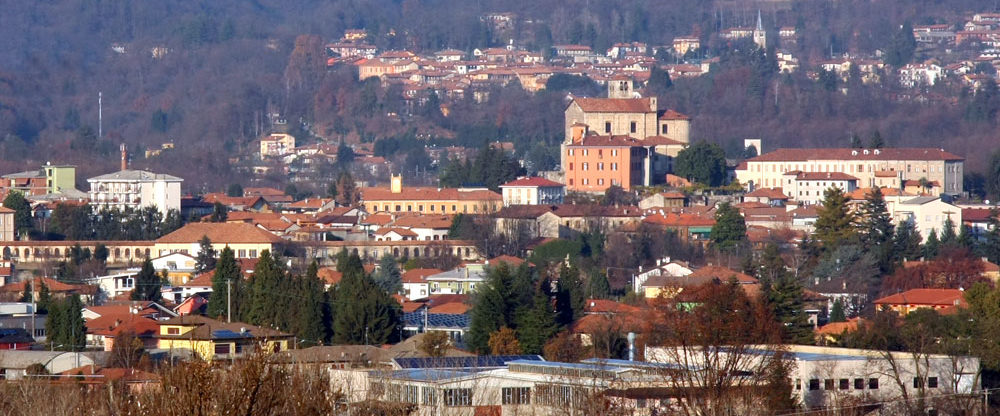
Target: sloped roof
<point x="670" y="219"/>
<point x="769" y="193"/>
<point x="896" y="153"/>
<point x="130" y="175"/>
<point x="210" y="329"/>
<point x="429" y="194"/>
<point x="423" y="221"/>
<point x="673" y="115"/>
<point x="933" y="297"/>
<point x="614" y="105"/>
<point x="219" y="233"/>
<point x="532" y="181"/>
<point x="723" y="273"/>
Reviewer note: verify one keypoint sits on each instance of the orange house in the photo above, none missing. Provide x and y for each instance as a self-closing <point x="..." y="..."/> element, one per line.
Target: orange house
<point x="594" y="163"/>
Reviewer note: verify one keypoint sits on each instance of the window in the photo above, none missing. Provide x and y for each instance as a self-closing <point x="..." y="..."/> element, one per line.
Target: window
<point x="570" y="166"/>
<point x="828" y="384"/>
<point x="253" y="254"/>
<point x="631" y="127"/>
<point x="458" y="397"/>
<point x="859" y="384"/>
<point x="600" y="181"/>
<point x="398" y="208"/>
<point x="932" y="382"/>
<point x="845" y="384"/>
<point x="411" y="394"/>
<point x="814" y="384"/>
<point x="872" y="384"/>
<point x="600" y="165"/>
<point x="586" y="181"/>
<point x="585" y="165"/>
<point x="607" y="127"/>
<point x="586" y="152"/>
<point x="222" y="348"/>
<point x="918" y="382"/>
<point x="570" y="152"/>
<point x="241" y="253"/>
<point x="420" y="208"/>
<point x="614" y="166"/>
<point x="663" y="129"/>
<point x="516" y="395"/>
<point x="571" y="181"/>
<point x="173" y="331"/>
<point x="798" y="384"/>
<point x="428" y="395"/>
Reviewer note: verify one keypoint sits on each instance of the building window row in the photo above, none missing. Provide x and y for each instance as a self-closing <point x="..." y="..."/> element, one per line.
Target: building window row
<point x="844" y="384"/>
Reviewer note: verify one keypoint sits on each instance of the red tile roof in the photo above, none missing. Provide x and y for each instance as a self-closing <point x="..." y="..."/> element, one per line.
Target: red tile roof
<point x="418" y="275"/>
<point x="723" y="274"/>
<point x="679" y="220"/>
<point x="976" y="214"/>
<point x="429" y="194"/>
<point x="898" y="153"/>
<point x="837" y="328"/>
<point x="454" y="308"/>
<point x="673" y="115"/>
<point x="769" y="193"/>
<point x="220" y="233"/>
<point x="402" y="232"/>
<point x="53" y="285"/>
<point x="607" y="306"/>
<point x="932" y="297"/>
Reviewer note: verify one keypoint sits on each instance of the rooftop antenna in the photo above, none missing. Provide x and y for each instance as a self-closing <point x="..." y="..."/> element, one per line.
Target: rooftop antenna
<point x="100" y="115"/>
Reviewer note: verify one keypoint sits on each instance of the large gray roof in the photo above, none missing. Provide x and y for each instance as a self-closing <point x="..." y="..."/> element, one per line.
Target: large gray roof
<point x="131" y="175"/>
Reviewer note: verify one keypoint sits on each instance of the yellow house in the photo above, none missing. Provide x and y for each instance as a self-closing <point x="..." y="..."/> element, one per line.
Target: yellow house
<point x="430" y="200"/>
<point x="246" y="240"/>
<point x="209" y="339"/>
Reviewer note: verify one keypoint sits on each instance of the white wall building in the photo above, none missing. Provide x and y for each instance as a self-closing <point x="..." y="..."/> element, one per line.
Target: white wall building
<point x="532" y="191"/>
<point x="927" y="213"/>
<point x="136" y="189"/>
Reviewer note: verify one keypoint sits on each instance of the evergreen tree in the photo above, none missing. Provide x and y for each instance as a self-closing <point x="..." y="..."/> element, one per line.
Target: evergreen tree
<point x="598" y="286"/>
<point x="876" y="141"/>
<point x="219" y="213"/>
<point x="55" y="324"/>
<point x="966" y="238"/>
<point x="234" y="190"/>
<point x="44" y="298"/>
<point x="147" y="284"/>
<point x="490" y="309"/>
<point x="703" y="163"/>
<point x="992" y="244"/>
<point x="226" y="270"/>
<point x="101" y="253"/>
<point x="522" y="288"/>
<point x="310" y="328"/>
<point x="570" y="298"/>
<point x="856" y="141"/>
<point x="538" y="324"/>
<point x="26" y="294"/>
<point x="932" y="246"/>
<point x="730" y="229"/>
<point x="75" y="330"/>
<point x="835" y="224"/>
<point x="948" y="236"/>
<point x="206" y="256"/>
<point x="23" y="223"/>
<point x="901" y="46"/>
<point x="837" y="312"/>
<point x="784" y="296"/>
<point x="264" y="287"/>
<point x="907" y="242"/>
<point x="876" y="230"/>
<point x="388" y="276"/>
<point x="363" y="312"/>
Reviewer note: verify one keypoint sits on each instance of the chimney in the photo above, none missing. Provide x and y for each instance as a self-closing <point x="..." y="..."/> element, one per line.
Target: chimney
<point x="124" y="150"/>
<point x="396" y="184"/>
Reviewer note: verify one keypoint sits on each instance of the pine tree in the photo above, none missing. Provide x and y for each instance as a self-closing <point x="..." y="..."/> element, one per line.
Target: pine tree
<point x="932" y="246"/>
<point x="490" y="309"/>
<point x="907" y="242"/>
<point x="966" y="239"/>
<point x="837" y="312"/>
<point x="598" y="286"/>
<point x="263" y="289"/>
<point x="363" y="313"/>
<point x="311" y="330"/>
<point x="147" y="284"/>
<point x="26" y="294"/>
<point x="992" y="244"/>
<point x="538" y="324"/>
<point x="55" y="324"/>
<point x="226" y="270"/>
<point x="206" y="256"/>
<point x="948" y="236"/>
<point x="75" y="329"/>
<point x="835" y="223"/>
<point x="219" y="213"/>
<point x="876" y="230"/>
<point x="784" y="296"/>
<point x="730" y="229"/>
<point x="570" y="298"/>
<point x="388" y="276"/>
<point x="44" y="297"/>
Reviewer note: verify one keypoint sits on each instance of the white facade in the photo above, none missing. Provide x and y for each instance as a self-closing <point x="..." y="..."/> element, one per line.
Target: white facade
<point x="533" y="195"/>
<point x="136" y="189"/>
<point x="927" y="213"/>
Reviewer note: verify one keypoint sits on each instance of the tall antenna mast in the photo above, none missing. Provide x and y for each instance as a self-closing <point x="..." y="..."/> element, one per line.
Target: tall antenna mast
<point x="100" y="115"/>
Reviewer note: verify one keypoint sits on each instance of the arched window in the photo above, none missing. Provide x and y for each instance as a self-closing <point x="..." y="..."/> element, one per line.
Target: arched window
<point x="416" y="252"/>
<point x="147" y="253"/>
<point x="118" y="252"/>
<point x="395" y="252"/>
<point x="128" y="252"/>
<point x="6" y="253"/>
<point x="57" y="252"/>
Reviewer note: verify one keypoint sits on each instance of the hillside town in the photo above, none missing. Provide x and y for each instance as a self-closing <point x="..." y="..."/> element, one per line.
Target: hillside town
<point x="645" y="272"/>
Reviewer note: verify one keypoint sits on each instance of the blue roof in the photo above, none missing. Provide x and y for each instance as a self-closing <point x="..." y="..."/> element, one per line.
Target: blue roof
<point x="471" y="363"/>
<point x="437" y="320"/>
<point x="425" y="374"/>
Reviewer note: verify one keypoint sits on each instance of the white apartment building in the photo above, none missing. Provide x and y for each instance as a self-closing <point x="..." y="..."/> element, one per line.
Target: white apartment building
<point x="768" y="170"/>
<point x="927" y="213"/>
<point x="135" y="189"/>
<point x="532" y="191"/>
<point x="808" y="187"/>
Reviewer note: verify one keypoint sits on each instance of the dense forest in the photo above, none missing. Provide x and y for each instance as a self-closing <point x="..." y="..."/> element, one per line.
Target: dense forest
<point x="205" y="75"/>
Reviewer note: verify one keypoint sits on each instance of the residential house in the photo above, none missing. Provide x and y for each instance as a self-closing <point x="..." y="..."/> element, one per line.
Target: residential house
<point x="682" y="45"/>
<point x="532" y="191"/>
<point x="809" y="187"/>
<point x="927" y="214"/>
<point x="461" y="280"/>
<point x="209" y="339"/>
<point x="663" y="200"/>
<point x="136" y="189"/>
<point x="941" y="300"/>
<point x="415" y="284"/>
<point x="276" y="145"/>
<point x="15" y="339"/>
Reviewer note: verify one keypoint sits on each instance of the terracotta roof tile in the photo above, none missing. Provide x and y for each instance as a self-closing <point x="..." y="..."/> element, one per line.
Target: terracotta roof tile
<point x="418" y="275"/>
<point x="532" y="181"/>
<point x="219" y="233"/>
<point x="429" y="194"/>
<point x="898" y="153"/>
<point x="615" y="105"/>
<point x="935" y="297"/>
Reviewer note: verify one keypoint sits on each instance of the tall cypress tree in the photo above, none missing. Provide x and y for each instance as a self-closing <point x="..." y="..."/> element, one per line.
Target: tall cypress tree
<point x="147" y="284"/>
<point x="932" y="246"/>
<point x="206" y="256"/>
<point x="55" y="323"/>
<point x="23" y="223"/>
<point x="571" y="299"/>
<point x="226" y="270"/>
<point x="876" y="229"/>
<point x="263" y="288"/>
<point x="75" y="329"/>
<point x="310" y="328"/>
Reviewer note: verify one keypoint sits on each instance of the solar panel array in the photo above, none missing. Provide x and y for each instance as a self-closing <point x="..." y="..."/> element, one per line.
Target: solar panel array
<point x="437" y="320"/>
<point x="225" y="334"/>
<point x="473" y="362"/>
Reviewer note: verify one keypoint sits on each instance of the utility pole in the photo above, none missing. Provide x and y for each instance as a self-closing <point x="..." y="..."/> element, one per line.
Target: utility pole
<point x="100" y="115"/>
<point x="229" y="300"/>
<point x="33" y="306"/>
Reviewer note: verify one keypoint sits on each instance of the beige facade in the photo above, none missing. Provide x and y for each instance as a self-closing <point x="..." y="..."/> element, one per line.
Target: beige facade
<point x="927" y="214"/>
<point x="6" y="224"/>
<point x="277" y="144"/>
<point x="398" y="198"/>
<point x="870" y="166"/>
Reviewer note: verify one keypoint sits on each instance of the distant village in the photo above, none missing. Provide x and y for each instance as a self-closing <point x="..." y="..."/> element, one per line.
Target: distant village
<point x="620" y="142"/>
